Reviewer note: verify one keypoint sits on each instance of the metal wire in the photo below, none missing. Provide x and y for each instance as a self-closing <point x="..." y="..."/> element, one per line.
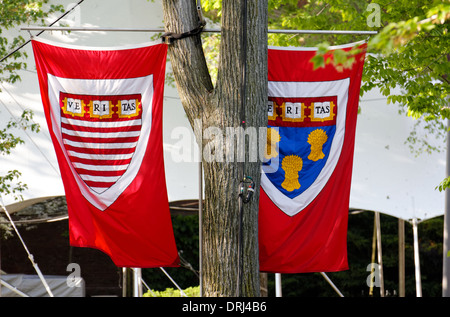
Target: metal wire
<point x="42" y="30"/>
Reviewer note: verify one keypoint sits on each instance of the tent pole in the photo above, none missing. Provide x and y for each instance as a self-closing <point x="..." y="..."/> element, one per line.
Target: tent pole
<point x="401" y="257"/>
<point x="127" y="290"/>
<point x="124" y="282"/>
<point x="200" y="224"/>
<point x="0" y="264"/>
<point x="12" y="288"/>
<point x="374" y="248"/>
<point x="137" y="285"/>
<point x="198" y="131"/>
<point x="416" y="259"/>
<point x="332" y="284"/>
<point x="380" y="257"/>
<point x="174" y="283"/>
<point x="278" y="291"/>
<point x="446" y="242"/>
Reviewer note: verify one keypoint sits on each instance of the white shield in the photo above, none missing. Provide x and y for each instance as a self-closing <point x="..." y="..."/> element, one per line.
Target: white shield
<point x="101" y="184"/>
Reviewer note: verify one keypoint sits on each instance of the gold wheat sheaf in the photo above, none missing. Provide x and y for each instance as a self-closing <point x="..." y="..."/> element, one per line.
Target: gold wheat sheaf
<point x="273" y="137"/>
<point x="317" y="139"/>
<point x="291" y="165"/>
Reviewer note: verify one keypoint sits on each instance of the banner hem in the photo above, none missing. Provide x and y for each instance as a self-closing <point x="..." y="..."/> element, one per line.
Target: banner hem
<point x="98" y="48"/>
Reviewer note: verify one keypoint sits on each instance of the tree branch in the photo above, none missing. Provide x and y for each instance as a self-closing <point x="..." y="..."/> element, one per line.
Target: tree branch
<point x="187" y="58"/>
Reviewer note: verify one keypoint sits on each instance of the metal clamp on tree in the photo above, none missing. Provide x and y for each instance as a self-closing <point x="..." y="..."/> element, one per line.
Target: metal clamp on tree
<point x="246" y="191"/>
<point x="170" y="37"/>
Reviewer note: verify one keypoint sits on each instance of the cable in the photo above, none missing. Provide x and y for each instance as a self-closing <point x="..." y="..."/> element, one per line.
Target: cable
<point x="243" y="97"/>
<point x="57" y="20"/>
<point x="20" y="47"/>
<point x="26" y="131"/>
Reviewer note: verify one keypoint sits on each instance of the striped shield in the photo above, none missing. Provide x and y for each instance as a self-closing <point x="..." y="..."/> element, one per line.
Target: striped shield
<point x="103" y="136"/>
<point x="100" y="134"/>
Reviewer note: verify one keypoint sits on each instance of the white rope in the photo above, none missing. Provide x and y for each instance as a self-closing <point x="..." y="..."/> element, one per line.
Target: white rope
<point x="141" y="280"/>
<point x="26" y="130"/>
<point x="30" y="256"/>
<point x="332" y="284"/>
<point x="174" y="283"/>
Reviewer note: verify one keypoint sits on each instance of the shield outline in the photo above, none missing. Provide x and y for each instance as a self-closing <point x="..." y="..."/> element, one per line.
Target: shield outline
<point x="338" y="88"/>
<point x="126" y="86"/>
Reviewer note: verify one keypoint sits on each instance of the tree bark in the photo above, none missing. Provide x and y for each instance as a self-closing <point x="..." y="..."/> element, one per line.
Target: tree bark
<point x="216" y="114"/>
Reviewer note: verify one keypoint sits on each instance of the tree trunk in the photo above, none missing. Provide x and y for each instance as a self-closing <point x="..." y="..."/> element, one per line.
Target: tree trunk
<point x="217" y="115"/>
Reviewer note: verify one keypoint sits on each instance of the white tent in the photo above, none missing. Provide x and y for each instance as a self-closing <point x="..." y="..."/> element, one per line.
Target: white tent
<point x="22" y="285"/>
<point x="390" y="178"/>
<point x="387" y="176"/>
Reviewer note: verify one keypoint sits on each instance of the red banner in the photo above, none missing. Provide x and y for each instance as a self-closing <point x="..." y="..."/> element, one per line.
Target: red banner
<point x="305" y="184"/>
<point x="104" y="112"/>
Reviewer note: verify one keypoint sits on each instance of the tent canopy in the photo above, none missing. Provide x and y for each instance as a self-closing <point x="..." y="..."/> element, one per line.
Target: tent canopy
<point x="388" y="176"/>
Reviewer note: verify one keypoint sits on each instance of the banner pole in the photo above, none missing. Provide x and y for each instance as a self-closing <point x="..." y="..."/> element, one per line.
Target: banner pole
<point x="278" y="288"/>
<point x="374" y="249"/>
<point x="446" y="238"/>
<point x="137" y="284"/>
<point x="380" y="253"/>
<point x="200" y="224"/>
<point x="51" y="24"/>
<point x="416" y="258"/>
<point x="215" y="30"/>
<point x="401" y="257"/>
<point x="198" y="131"/>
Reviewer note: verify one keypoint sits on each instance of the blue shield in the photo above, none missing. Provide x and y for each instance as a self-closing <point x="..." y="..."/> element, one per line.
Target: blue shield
<point x="299" y="162"/>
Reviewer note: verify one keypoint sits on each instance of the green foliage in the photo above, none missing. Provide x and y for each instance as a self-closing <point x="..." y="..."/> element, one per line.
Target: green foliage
<point x="411" y="68"/>
<point x="8" y="184"/>
<point x="8" y="141"/>
<point x="13" y="13"/>
<point x="170" y="292"/>
<point x="444" y="184"/>
<point x="316" y="15"/>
